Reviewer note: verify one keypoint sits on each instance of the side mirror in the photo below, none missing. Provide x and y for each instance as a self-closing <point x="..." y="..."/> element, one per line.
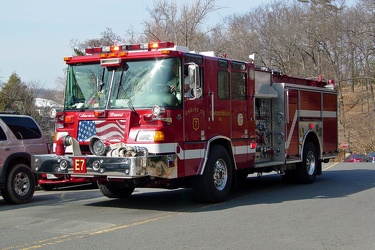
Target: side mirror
<point x="193" y="72"/>
<point x="194" y="81"/>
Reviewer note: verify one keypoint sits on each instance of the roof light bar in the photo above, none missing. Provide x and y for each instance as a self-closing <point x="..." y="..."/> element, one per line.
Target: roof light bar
<point x="129" y="47"/>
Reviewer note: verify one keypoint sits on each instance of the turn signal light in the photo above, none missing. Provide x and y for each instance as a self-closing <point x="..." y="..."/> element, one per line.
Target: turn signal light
<point x="159" y="136"/>
<point x="69" y="119"/>
<point x="99" y="113"/>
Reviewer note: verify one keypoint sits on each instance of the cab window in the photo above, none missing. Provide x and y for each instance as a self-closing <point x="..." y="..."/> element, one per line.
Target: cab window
<point x="223" y="84"/>
<point x="238" y="86"/>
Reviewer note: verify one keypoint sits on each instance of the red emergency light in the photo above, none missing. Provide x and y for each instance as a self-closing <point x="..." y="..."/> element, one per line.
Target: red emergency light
<point x="93" y="50"/>
<point x="160" y="45"/>
<point x="133" y="47"/>
<point x="115" y="48"/>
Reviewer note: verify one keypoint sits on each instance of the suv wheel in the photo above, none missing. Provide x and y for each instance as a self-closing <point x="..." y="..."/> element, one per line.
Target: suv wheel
<point x="20" y="185"/>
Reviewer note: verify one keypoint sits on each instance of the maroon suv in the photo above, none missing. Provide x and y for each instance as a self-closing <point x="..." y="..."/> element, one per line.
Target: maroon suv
<point x="20" y="137"/>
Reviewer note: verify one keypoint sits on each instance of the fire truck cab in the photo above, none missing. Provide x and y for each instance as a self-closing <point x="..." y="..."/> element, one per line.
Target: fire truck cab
<point x="158" y="115"/>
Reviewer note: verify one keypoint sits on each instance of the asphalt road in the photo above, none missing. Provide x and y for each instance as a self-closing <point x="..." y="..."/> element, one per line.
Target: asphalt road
<point x="336" y="212"/>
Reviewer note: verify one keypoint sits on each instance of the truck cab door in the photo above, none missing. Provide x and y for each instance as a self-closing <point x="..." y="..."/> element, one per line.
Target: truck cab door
<point x="195" y="113"/>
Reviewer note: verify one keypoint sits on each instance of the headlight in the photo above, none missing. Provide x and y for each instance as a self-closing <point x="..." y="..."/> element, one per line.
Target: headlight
<point x="157" y="110"/>
<point x="53" y="112"/>
<point x="150" y="136"/>
<point x="97" y="147"/>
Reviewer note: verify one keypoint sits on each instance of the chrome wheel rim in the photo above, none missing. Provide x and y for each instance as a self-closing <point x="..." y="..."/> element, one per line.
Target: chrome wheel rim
<point x="220" y="174"/>
<point x="310" y="163"/>
<point x="21" y="184"/>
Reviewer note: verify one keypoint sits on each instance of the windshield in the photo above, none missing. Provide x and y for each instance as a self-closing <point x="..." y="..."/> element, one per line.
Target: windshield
<point x="138" y="84"/>
<point x="86" y="86"/>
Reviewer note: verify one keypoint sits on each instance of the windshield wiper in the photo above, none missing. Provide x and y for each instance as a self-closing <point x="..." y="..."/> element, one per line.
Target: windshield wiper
<point x="130" y="104"/>
<point x="101" y="85"/>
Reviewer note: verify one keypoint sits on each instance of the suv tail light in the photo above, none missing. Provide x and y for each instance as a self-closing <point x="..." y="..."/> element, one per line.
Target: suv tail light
<point x="49" y="148"/>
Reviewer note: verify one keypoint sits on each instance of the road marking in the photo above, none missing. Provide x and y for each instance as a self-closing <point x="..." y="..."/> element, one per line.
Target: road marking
<point x="89" y="233"/>
<point x="331" y="166"/>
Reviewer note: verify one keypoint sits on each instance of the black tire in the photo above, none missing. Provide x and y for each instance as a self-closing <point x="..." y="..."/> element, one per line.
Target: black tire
<point x="215" y="183"/>
<point x="115" y="190"/>
<point x="307" y="169"/>
<point x="20" y="185"/>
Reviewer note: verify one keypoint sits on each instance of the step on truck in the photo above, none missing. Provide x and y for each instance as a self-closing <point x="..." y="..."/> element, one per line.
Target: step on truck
<point x="158" y="115"/>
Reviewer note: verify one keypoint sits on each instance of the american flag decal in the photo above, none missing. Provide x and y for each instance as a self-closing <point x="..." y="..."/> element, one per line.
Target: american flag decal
<point x="105" y="130"/>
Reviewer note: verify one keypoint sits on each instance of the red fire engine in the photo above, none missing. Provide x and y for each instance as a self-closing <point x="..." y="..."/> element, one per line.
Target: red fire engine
<point x="158" y="115"/>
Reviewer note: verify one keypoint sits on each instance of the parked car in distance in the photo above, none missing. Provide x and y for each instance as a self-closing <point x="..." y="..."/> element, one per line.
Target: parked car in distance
<point x="50" y="181"/>
<point x="20" y="137"/>
<point x="371" y="157"/>
<point x="356" y="158"/>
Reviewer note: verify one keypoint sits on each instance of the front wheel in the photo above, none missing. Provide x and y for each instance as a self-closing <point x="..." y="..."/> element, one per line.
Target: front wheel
<point x="307" y="169"/>
<point x="20" y="185"/>
<point x="115" y="190"/>
<point x="215" y="183"/>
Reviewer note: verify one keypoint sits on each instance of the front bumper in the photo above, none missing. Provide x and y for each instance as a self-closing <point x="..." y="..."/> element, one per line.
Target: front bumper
<point x="163" y="166"/>
<point x="44" y="179"/>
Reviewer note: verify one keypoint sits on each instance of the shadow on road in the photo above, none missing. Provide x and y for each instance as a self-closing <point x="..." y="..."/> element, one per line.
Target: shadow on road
<point x="268" y="189"/>
<point x="55" y="196"/>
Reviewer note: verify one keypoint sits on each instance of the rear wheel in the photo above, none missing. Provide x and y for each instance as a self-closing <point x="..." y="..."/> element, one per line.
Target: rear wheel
<point x="115" y="190"/>
<point x="307" y="169"/>
<point x="20" y="185"/>
<point x="215" y="183"/>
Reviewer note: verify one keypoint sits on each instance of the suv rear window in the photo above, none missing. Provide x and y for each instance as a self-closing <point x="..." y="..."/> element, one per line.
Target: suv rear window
<point x="23" y="128"/>
<point x="3" y="136"/>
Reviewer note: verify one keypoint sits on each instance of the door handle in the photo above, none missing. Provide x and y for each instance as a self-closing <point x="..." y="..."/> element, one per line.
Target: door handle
<point x="212" y="106"/>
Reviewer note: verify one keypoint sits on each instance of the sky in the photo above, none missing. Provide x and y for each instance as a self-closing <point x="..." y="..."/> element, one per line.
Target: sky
<point x="35" y="35"/>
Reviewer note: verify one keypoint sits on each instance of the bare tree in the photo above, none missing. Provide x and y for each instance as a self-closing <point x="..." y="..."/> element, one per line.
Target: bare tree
<point x="182" y="26"/>
<point x="362" y="33"/>
<point x="239" y="37"/>
<point x="108" y="38"/>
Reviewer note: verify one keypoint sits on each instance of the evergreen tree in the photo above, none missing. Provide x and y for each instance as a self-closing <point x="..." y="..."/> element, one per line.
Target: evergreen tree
<point x="16" y="96"/>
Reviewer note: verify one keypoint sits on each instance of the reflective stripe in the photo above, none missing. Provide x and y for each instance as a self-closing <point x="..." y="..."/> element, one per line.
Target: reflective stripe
<point x="316" y="113"/>
<point x="190" y="154"/>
